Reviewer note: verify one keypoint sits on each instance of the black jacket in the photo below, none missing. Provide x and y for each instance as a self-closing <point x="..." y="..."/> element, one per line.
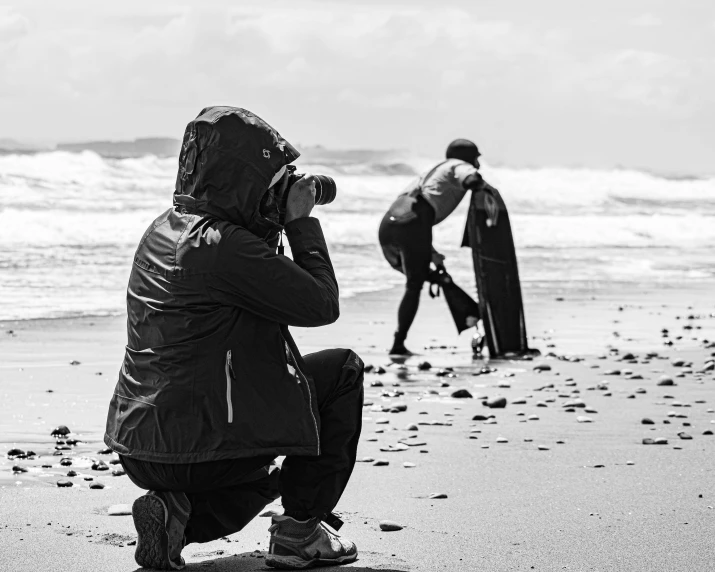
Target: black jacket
<point x="207" y="373"/>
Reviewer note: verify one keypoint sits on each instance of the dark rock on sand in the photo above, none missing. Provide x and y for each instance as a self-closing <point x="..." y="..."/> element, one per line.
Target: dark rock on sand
<point x="106" y="451"/>
<point x="390" y="526"/>
<point x="66" y="462"/>
<point x="381" y="463"/>
<point x="647" y="421"/>
<point x="64" y="483"/>
<point x="16" y="453"/>
<point x="100" y="466"/>
<point x="424" y="366"/>
<point x="60" y="431"/>
<point x="542" y="367"/>
<point x="684" y="435"/>
<point x="96" y="485"/>
<point x="661" y="441"/>
<point x="438" y="496"/>
<point x="461" y="393"/>
<point x="71" y="473"/>
<point x="481" y="417"/>
<point x="18" y="469"/>
<point x="665" y="381"/>
<point x="495" y="403"/>
<point x="119" y="472"/>
<point x="707" y="432"/>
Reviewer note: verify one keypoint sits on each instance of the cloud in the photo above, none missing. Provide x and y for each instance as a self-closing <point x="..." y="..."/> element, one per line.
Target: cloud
<point x="13" y="25"/>
<point x="646" y="21"/>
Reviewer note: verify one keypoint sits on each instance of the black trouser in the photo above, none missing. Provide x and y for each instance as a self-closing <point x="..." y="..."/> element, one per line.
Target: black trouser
<point x="408" y="249"/>
<point x="227" y="495"/>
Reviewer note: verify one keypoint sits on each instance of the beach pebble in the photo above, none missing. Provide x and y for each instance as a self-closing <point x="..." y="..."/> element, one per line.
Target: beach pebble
<point x="100" y="466"/>
<point x="394" y="448"/>
<point x="390" y="526"/>
<point x="75" y="362"/>
<point x="366" y="460"/>
<point x="380" y="370"/>
<point x="665" y="381"/>
<point x="438" y="496"/>
<point x="661" y="441"/>
<point x="647" y="421"/>
<point x="481" y="417"/>
<point x="533" y="418"/>
<point x="66" y="462"/>
<point x="707" y="432"/>
<point x="574" y="403"/>
<point x="648" y="441"/>
<point x="64" y="483"/>
<point x="412" y="427"/>
<point x="612" y="372"/>
<point x="71" y="473"/>
<point x="542" y="367"/>
<point x="18" y="469"/>
<point x="119" y="510"/>
<point x="560" y="442"/>
<point x="502" y="440"/>
<point x="584" y="419"/>
<point x="684" y="435"/>
<point x="60" y="431"/>
<point x="541" y="404"/>
<point x="543" y="448"/>
<point x="118" y="472"/>
<point x="12" y="453"/>
<point x="377" y="383"/>
<point x="96" y="486"/>
<point x="408" y="465"/>
<point x="106" y="451"/>
<point x="461" y="394"/>
<point x="519" y="401"/>
<point x="382" y="421"/>
<point x="424" y="366"/>
<point x="496" y="403"/>
<point x="589" y="410"/>
<point x="381" y="463"/>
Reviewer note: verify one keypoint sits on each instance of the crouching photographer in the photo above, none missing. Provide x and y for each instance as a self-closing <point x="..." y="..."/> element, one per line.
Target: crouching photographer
<point x="213" y="388"/>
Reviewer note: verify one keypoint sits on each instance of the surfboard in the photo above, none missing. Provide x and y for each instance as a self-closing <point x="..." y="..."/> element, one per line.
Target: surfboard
<point x="488" y="234"/>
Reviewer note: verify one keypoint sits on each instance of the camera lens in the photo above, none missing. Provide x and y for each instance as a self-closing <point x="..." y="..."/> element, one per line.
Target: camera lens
<point x="325" y="190"/>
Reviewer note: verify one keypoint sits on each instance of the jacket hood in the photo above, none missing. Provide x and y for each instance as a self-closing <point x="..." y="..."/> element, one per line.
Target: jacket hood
<point x="228" y="158"/>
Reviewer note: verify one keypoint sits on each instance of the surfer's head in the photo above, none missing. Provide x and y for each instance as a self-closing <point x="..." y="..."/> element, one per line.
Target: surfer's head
<point x="464" y="150"/>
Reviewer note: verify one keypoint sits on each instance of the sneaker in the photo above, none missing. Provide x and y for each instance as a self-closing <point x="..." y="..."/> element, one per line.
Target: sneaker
<point x="296" y="545"/>
<point x="160" y="520"/>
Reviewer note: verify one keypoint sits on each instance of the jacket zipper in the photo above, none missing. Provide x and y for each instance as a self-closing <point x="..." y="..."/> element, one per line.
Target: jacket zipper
<point x="302" y="376"/>
<point x="229" y="379"/>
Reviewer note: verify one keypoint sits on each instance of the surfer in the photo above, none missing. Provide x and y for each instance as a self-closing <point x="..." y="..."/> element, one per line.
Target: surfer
<point x="406" y="229"/>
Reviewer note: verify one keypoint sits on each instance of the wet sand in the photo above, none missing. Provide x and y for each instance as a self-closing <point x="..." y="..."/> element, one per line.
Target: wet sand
<point x="546" y="494"/>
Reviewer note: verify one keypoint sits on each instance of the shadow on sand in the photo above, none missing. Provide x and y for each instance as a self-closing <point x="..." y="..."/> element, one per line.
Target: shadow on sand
<point x="253" y="562"/>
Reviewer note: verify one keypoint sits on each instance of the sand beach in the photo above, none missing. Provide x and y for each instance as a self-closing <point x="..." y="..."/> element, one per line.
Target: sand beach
<point x="558" y="479"/>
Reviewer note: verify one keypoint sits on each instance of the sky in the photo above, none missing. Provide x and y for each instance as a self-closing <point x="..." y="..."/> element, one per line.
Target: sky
<point x="601" y="84"/>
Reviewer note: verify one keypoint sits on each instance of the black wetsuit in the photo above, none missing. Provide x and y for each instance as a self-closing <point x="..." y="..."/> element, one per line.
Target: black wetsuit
<point x="408" y="249"/>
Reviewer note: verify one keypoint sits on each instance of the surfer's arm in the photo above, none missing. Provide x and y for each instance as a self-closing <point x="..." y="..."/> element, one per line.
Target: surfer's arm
<point x="474" y="182"/>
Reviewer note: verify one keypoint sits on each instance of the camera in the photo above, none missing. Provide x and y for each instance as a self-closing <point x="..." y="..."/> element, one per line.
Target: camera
<point x="325" y="187"/>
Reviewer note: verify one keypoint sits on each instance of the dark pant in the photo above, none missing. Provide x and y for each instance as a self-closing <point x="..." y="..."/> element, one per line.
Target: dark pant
<point x="408" y="249"/>
<point x="227" y="495"/>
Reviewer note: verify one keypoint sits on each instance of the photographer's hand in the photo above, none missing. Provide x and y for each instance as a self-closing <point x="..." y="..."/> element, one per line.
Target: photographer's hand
<point x="301" y="198"/>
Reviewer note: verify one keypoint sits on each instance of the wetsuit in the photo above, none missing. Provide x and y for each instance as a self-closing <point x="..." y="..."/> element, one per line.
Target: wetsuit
<point x="405" y="232"/>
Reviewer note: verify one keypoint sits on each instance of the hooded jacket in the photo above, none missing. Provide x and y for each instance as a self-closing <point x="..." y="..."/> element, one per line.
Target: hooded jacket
<point x="210" y="371"/>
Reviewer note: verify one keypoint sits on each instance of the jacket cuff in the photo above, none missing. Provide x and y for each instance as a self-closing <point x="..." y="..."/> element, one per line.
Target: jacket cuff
<point x="304" y="233"/>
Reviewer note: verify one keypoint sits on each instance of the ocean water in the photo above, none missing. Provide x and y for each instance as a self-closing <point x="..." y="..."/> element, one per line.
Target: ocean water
<point x="69" y="224"/>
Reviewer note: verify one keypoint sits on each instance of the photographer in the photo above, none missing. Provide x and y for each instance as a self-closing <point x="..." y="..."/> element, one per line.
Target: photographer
<point x="213" y="388"/>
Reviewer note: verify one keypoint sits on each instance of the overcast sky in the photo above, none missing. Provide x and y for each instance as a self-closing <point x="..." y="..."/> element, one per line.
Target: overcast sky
<point x="542" y="82"/>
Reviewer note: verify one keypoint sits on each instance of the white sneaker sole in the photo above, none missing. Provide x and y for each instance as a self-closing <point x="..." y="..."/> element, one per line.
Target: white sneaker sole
<point x="298" y="563"/>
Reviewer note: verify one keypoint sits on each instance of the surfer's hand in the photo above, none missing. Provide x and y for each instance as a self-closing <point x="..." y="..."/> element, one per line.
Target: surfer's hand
<point x="301" y="198"/>
<point x="437" y="259"/>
